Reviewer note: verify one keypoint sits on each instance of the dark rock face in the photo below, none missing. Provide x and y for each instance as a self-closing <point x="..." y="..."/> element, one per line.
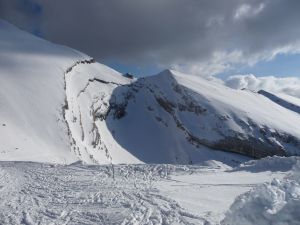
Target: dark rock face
<point x="119" y="111"/>
<point x="165" y="104"/>
<point x="239" y="143"/>
<point x="128" y="75"/>
<point x="250" y="147"/>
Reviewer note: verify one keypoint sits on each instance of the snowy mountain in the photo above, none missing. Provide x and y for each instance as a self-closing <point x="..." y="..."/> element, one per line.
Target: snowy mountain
<point x="59" y="105"/>
<point x="180" y="113"/>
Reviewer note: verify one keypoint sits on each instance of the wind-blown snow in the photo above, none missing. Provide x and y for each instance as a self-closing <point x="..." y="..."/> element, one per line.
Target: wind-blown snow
<point x="285" y="101"/>
<point x="291" y="99"/>
<point x="275" y="203"/>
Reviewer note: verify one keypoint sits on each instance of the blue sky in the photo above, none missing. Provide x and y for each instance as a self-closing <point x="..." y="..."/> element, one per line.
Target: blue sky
<point x="136" y="70"/>
<point x="283" y="65"/>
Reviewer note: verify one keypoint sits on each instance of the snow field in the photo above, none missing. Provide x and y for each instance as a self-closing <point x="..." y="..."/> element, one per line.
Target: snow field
<point x="34" y="193"/>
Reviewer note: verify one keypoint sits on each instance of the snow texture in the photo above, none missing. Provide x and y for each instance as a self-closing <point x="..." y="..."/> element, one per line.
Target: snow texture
<point x="277" y="202"/>
<point x="36" y="193"/>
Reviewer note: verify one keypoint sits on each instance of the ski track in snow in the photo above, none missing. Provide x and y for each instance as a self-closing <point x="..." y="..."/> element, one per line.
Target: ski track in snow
<point x="34" y="193"/>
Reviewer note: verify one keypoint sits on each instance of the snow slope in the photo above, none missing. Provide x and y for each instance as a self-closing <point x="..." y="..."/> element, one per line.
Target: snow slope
<point x="59" y="105"/>
<point x="88" y="90"/>
<point x="291" y="99"/>
<point x="184" y="115"/>
<point x="286" y="101"/>
<point x="34" y="96"/>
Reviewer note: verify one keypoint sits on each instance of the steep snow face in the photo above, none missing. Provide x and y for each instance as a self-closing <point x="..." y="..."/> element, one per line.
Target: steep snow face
<point x="177" y="116"/>
<point x="89" y="88"/>
<point x="32" y="96"/>
<point x="50" y="100"/>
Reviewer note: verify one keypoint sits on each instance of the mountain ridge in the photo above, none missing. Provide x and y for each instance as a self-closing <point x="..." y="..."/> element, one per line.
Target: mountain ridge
<point x="59" y="105"/>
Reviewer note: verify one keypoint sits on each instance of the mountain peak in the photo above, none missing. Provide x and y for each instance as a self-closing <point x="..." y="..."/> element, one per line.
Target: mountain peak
<point x="77" y="109"/>
<point x="166" y="74"/>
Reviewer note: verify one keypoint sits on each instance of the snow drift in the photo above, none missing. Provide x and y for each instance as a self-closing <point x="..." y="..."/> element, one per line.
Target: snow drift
<point x="275" y="203"/>
<point x="59" y="105"/>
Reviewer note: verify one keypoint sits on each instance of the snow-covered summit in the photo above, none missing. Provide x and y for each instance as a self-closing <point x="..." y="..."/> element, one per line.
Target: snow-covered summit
<point x="59" y="105"/>
<point x="183" y="113"/>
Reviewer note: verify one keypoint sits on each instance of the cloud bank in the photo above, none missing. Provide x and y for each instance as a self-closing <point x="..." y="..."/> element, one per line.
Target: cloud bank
<point x="286" y="85"/>
<point x="198" y="36"/>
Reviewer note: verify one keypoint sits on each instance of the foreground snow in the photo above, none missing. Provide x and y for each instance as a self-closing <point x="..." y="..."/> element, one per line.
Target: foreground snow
<point x="275" y="203"/>
<point x="34" y="193"/>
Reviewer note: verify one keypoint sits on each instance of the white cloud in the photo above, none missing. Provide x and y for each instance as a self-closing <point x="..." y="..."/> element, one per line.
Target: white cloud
<point x="286" y="85"/>
<point x="246" y="10"/>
